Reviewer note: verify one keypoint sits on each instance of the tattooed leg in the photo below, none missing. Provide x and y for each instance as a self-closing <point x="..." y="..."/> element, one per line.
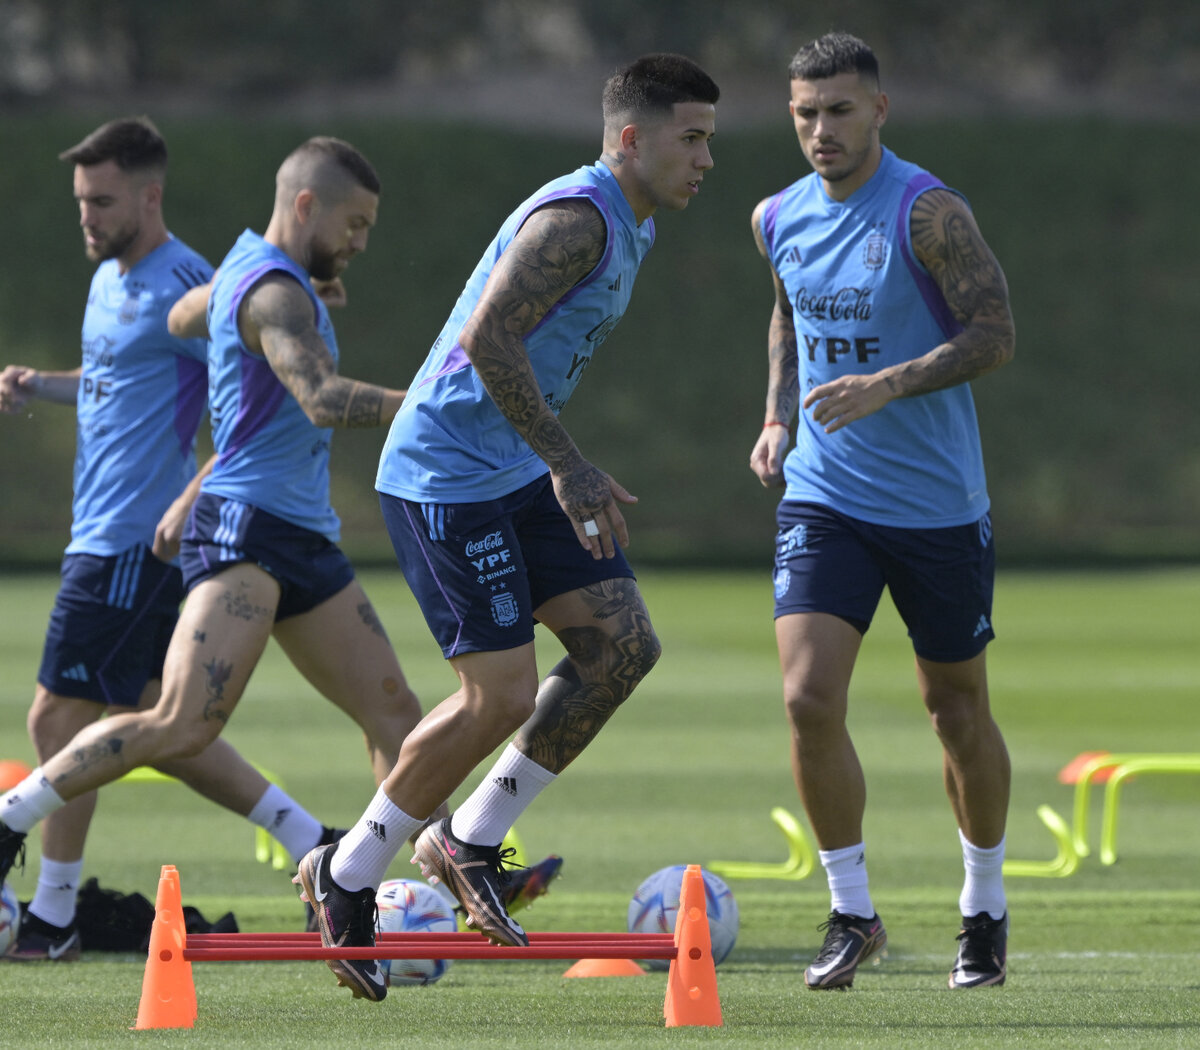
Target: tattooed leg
<point x="606" y="659"/>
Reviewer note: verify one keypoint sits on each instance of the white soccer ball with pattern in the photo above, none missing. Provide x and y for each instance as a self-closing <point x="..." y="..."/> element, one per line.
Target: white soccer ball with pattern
<point x="655" y="907"/>
<point x="412" y="906"/>
<point x="10" y="916"/>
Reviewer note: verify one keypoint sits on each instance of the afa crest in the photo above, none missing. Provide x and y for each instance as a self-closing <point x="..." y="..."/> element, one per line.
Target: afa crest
<point x="504" y="609"/>
<point x="875" y="251"/>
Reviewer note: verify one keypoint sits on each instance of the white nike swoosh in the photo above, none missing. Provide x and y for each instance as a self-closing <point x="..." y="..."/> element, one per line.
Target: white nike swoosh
<point x="56" y="951"/>
<point x="317" y="893"/>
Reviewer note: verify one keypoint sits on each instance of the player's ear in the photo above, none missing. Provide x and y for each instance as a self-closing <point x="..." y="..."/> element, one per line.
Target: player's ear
<point x="305" y="205"/>
<point x="881" y="110"/>
<point x="629" y="138"/>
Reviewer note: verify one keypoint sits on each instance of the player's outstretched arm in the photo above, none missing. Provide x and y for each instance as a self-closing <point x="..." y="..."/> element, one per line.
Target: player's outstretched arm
<point x="783" y="382"/>
<point x="276" y="320"/>
<point x="187" y="318"/>
<point x="556" y="248"/>
<point x="19" y="384"/>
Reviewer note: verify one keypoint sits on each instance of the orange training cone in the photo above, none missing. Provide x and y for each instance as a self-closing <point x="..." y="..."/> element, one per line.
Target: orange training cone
<point x="605" y="968"/>
<point x="168" y="993"/>
<point x="12" y="772"/>
<point x="692" y="979"/>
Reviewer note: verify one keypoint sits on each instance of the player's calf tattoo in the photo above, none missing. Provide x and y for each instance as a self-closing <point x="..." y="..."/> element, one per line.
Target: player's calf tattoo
<point x="602" y="667"/>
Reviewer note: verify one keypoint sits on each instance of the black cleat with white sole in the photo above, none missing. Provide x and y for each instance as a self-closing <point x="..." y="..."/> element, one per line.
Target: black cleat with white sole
<point x="346" y="920"/>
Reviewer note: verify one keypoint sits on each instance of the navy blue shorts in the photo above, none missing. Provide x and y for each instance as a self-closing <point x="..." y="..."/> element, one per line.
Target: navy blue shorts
<point x="479" y="570"/>
<point x="941" y="580"/>
<point x="110" y="626"/>
<point x="224" y="532"/>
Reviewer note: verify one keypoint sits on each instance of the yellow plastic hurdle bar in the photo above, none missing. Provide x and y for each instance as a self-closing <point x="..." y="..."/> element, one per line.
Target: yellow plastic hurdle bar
<point x="1122" y="767"/>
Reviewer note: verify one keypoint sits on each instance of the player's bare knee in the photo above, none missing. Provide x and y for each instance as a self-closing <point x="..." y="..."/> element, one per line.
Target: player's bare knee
<point x="176" y="738"/>
<point x="52" y="723"/>
<point x="810" y="711"/>
<point x="958" y="722"/>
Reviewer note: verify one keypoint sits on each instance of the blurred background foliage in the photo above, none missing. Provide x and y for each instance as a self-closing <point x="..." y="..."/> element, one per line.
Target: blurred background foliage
<point x="1071" y="128"/>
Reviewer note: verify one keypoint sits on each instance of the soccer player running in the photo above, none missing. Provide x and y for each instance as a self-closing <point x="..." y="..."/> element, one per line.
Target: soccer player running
<point x="259" y="554"/>
<point x="888" y="303"/>
<point x="140" y="396"/>
<point x="498" y="521"/>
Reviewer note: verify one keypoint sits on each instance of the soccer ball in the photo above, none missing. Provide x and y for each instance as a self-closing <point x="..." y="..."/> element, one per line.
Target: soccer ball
<point x="656" y="904"/>
<point x="10" y="917"/>
<point x="411" y="906"/>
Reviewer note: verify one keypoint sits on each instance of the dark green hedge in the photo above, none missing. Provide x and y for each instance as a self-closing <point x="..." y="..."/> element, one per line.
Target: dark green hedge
<point x="1092" y="435"/>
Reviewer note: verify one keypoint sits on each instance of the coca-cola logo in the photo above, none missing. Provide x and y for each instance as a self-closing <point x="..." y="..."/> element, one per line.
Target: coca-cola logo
<point x="846" y="304"/>
<point x="489" y="543"/>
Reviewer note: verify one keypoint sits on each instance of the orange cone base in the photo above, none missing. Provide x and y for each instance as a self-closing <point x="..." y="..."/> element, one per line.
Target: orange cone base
<point x="605" y="968"/>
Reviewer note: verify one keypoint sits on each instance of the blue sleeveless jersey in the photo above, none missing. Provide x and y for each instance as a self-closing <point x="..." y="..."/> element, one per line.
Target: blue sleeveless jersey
<point x="269" y="454"/>
<point x="141" y="398"/>
<point x="861" y="302"/>
<point x="449" y="443"/>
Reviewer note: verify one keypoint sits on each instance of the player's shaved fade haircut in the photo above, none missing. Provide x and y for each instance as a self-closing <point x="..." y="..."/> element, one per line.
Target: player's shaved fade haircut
<point x="133" y="143"/>
<point x="329" y="167"/>
<point x="834" y="53"/>
<point x="652" y="85"/>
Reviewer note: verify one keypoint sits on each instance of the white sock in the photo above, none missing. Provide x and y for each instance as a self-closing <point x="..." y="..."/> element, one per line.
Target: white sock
<point x="57" y="887"/>
<point x="846" y="870"/>
<point x="282" y="816"/>
<point x="505" y="793"/>
<point x="30" y="801"/>
<point x="363" y="855"/>
<point x="983" y="888"/>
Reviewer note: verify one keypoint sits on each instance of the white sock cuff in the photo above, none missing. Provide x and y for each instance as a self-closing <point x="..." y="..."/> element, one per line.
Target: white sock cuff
<point x="979" y="857"/>
<point x="31" y="800"/>
<point x="513" y="763"/>
<point x="831" y="857"/>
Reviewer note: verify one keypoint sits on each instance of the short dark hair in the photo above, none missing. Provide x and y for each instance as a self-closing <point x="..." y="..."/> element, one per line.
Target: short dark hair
<point x="346" y="157"/>
<point x="831" y="54"/>
<point x="654" y="83"/>
<point x="134" y="143"/>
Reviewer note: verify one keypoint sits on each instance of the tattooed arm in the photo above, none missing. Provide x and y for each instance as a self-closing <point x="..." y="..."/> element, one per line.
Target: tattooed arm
<point x="276" y="320"/>
<point x="783" y="382"/>
<point x="556" y="248"/>
<point x="948" y="243"/>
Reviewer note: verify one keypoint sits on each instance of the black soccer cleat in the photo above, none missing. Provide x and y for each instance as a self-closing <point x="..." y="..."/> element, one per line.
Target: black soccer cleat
<point x="525" y="885"/>
<point x="328" y="835"/>
<point x="476" y="875"/>
<point x="38" y="939"/>
<point x="346" y="920"/>
<point x="982" y="952"/>
<point x="12" y="850"/>
<point x="849" y="942"/>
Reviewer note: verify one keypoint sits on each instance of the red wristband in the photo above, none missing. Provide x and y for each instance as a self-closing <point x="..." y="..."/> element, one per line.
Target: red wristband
<point x="774" y="423"/>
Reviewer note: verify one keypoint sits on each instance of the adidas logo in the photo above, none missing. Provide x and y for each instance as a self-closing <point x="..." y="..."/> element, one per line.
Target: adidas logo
<point x="377" y="829"/>
<point x="508" y="784"/>
<point x="280" y="816"/>
<point x="793" y="255"/>
<point x="78" y="673"/>
<point x="982" y="626"/>
<point x="616" y="285"/>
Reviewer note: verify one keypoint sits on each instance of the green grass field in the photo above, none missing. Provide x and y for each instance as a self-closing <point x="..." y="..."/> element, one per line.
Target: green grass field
<point x="689" y="772"/>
